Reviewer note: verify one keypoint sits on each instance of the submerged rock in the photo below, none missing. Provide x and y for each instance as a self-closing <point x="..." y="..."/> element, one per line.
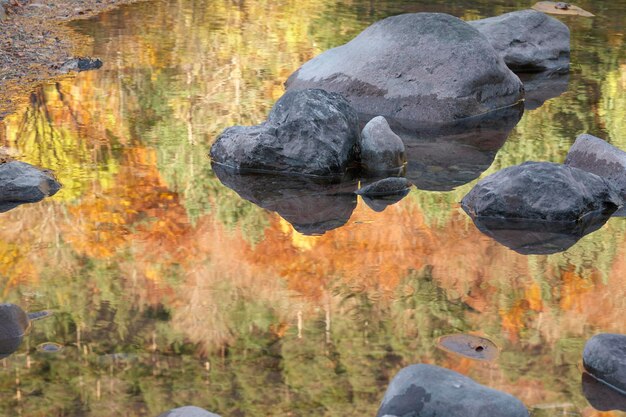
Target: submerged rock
<point x="381" y="149"/>
<point x="601" y="396"/>
<point x="427" y="67"/>
<point x="312" y="206"/>
<point x="528" y="40"/>
<point x="604" y="357"/>
<point x="597" y="156"/>
<point x="445" y="157"/>
<point x="426" y="390"/>
<point x="470" y="346"/>
<point x="310" y="132"/>
<point x="541" y="191"/>
<point x="188" y="411"/>
<point x="539" y="237"/>
<point x="81" y="64"/>
<point x="385" y="187"/>
<point x="23" y="183"/>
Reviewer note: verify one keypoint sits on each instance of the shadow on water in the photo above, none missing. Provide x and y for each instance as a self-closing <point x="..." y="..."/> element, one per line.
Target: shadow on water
<point x="441" y="158"/>
<point x="535" y="237"/>
<point x="312" y="206"/>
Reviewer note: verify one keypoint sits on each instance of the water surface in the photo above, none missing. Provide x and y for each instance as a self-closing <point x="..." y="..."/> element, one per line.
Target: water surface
<point x="169" y="289"/>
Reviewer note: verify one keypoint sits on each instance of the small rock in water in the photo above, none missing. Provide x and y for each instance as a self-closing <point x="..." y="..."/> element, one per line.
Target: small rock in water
<point x="604" y="357"/>
<point x="81" y="64"/>
<point x="470" y="346"/>
<point x="388" y="186"/>
<point x="560" y="8"/>
<point x="427" y="390"/>
<point x="188" y="411"/>
<point x="49" y="347"/>
<point x="23" y="183"/>
<point x="381" y="148"/>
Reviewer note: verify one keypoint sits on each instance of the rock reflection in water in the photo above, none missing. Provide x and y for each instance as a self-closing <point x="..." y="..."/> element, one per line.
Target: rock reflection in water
<point x="312" y="206"/>
<point x="601" y="396"/>
<point x="441" y="158"/>
<point x="543" y="87"/>
<point x="536" y="237"/>
<point x="14" y="323"/>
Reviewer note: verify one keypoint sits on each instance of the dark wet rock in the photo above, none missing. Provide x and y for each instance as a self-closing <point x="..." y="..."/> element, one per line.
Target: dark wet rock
<point x="541" y="191"/>
<point x="381" y="149"/>
<point x="538" y="237"/>
<point x="601" y="396"/>
<point x="81" y="64"/>
<point x="542" y="87"/>
<point x="384" y="187"/>
<point x="312" y="206"/>
<point x="528" y="40"/>
<point x="188" y="411"/>
<point x="23" y="183"/>
<point x="441" y="158"/>
<point x="604" y="357"/>
<point x="469" y="346"/>
<point x="14" y="323"/>
<point x="595" y="155"/>
<point x="426" y="390"/>
<point x="427" y="67"/>
<point x="310" y="132"/>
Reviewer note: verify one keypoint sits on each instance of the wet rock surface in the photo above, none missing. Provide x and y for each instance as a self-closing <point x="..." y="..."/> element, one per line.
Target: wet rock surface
<point x="310" y="132"/>
<point x="312" y="207"/>
<point x="381" y="149"/>
<point x="385" y="187"/>
<point x="601" y="396"/>
<point x="537" y="237"/>
<point x="428" y="67"/>
<point x="23" y="183"/>
<point x="541" y="191"/>
<point x="188" y="411"/>
<point x="604" y="357"/>
<point x="528" y="40"/>
<point x="427" y="390"/>
<point x="595" y="155"/>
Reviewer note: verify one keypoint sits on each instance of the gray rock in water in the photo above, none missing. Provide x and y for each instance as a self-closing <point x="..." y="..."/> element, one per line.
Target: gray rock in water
<point x="426" y="390"/>
<point x="310" y="132"/>
<point x="188" y="411"/>
<point x="604" y="357"/>
<point x="541" y="191"/>
<point x="81" y="64"/>
<point x="528" y="40"/>
<point x="428" y="67"/>
<point x="388" y="186"/>
<point x="595" y="155"/>
<point x="381" y="149"/>
<point x="23" y="183"/>
<point x="13" y="325"/>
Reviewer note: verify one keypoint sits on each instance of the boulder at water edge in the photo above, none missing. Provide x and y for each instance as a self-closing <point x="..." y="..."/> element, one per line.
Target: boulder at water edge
<point x="428" y="67"/>
<point x="310" y="132"/>
<point x="541" y="191"/>
<point x="528" y="40"/>
<point x="23" y="183"/>
<point x="381" y="149"/>
<point x="595" y="155"/>
<point x="604" y="357"/>
<point x="188" y="411"/>
<point x="426" y="390"/>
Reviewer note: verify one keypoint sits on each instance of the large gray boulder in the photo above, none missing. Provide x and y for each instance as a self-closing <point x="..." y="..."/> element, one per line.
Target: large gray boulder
<point x="310" y="132"/>
<point x="381" y="149"/>
<point x="23" y="183"/>
<point x="604" y="357"/>
<point x="541" y="191"/>
<point x="528" y="40"/>
<point x="595" y="155"/>
<point x="429" y="391"/>
<point x="429" y="67"/>
<point x="188" y="411"/>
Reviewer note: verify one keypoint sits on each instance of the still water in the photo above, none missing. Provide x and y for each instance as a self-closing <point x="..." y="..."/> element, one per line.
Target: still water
<point x="170" y="289"/>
